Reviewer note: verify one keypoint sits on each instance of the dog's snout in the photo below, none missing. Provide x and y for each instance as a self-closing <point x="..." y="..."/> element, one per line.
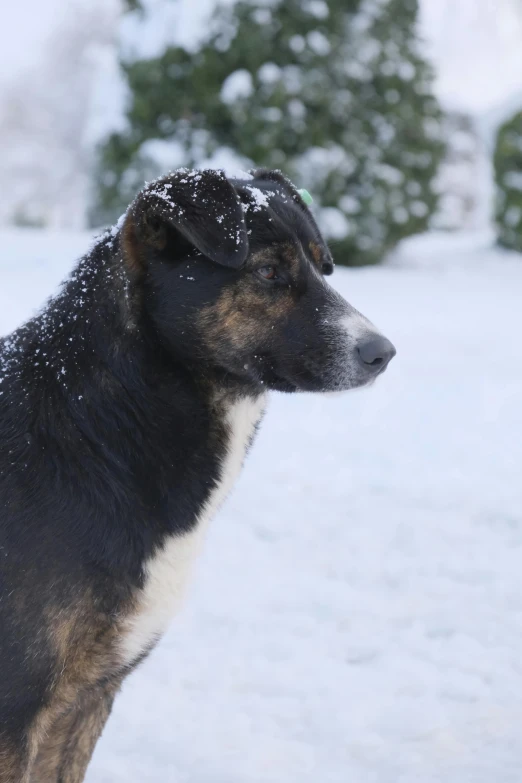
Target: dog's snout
<point x="375" y="352"/>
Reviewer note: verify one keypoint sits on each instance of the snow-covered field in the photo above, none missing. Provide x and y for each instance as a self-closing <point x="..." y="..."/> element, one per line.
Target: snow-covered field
<point x="357" y="614"/>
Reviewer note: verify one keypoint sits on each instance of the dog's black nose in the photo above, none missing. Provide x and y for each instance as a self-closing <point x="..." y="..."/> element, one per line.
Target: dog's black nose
<point x="375" y="352"/>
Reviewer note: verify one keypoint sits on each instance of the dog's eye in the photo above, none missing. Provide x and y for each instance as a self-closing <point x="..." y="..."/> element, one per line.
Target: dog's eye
<point x="268" y="272"/>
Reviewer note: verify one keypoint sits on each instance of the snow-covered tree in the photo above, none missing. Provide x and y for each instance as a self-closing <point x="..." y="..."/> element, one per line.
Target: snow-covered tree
<point x="334" y="93"/>
<point x="508" y="178"/>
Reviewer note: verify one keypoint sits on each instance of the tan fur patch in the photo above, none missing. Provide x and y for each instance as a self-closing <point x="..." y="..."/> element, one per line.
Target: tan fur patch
<point x="245" y="315"/>
<point x="84" y="639"/>
<point x="64" y="733"/>
<point x="315" y="250"/>
<point x="241" y="315"/>
<point x="130" y="247"/>
<point x="14" y="763"/>
<point x="65" y="752"/>
<point x="292" y="256"/>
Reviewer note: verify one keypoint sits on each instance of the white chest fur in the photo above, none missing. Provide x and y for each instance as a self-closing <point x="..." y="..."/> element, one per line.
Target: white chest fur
<point x="166" y="573"/>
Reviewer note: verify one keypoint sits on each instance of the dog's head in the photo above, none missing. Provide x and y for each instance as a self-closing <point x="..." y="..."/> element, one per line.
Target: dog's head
<point x="233" y="275"/>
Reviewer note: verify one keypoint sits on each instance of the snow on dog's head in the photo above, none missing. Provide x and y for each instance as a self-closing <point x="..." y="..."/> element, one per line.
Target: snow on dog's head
<point x="233" y="277"/>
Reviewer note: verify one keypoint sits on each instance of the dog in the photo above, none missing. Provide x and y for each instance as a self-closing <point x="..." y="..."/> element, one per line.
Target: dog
<point x="127" y="407"/>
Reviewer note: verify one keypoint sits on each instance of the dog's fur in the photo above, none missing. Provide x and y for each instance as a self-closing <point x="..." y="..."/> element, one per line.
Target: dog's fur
<point x="126" y="409"/>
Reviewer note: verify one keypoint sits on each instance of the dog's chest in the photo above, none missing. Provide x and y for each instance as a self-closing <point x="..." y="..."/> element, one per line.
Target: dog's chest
<point x="167" y="571"/>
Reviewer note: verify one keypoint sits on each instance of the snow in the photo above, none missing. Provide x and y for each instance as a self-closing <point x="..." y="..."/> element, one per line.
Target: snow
<point x="165" y="154"/>
<point x="317" y="8"/>
<point x="356" y="613"/>
<point x="335" y="224"/>
<point x="259" y="198"/>
<point x="233" y="164"/>
<point x="297" y="43"/>
<point x="146" y="34"/>
<point x="513" y="180"/>
<point x="319" y="43"/>
<point x="238" y="85"/>
<point x="269" y="73"/>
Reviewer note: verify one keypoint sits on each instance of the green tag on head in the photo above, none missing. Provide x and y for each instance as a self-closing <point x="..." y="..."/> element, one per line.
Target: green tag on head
<point x="306" y="197"/>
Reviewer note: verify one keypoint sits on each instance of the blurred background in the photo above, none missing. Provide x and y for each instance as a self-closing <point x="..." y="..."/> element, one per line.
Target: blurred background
<point x="357" y="612"/>
<point x="398" y="115"/>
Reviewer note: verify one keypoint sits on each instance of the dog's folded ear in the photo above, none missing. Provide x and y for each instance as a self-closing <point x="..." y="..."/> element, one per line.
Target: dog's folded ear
<point x="201" y="207"/>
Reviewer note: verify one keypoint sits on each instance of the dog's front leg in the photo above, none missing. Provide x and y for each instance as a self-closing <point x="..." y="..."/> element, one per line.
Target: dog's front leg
<point x="64" y="755"/>
<point x="15" y="761"/>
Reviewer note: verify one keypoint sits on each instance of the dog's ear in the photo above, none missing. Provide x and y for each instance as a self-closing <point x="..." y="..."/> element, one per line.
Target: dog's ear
<point x="201" y="208"/>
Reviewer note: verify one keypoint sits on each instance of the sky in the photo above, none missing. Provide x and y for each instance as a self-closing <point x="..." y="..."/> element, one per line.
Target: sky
<point x="476" y="46"/>
<point x="24" y="33"/>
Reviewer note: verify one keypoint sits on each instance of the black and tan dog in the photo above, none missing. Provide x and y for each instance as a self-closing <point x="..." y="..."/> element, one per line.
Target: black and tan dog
<point x="126" y="410"/>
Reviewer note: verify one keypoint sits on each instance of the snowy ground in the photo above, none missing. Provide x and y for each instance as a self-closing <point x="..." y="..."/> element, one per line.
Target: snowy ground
<point x="357" y="614"/>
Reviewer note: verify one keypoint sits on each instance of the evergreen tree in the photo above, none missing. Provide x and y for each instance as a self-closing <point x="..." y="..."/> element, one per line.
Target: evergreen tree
<point x="508" y="178"/>
<point x="335" y="94"/>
